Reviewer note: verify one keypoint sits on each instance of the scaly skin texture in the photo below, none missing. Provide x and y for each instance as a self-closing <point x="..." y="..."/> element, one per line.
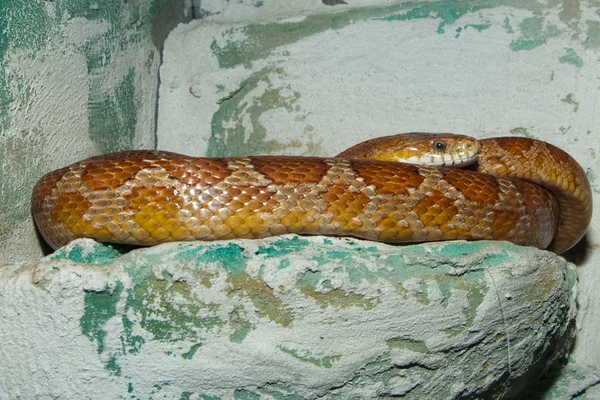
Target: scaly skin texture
<point x="151" y="197"/>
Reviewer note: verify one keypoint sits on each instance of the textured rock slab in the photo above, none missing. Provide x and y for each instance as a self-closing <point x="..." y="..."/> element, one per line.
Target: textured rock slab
<point x="291" y="317"/>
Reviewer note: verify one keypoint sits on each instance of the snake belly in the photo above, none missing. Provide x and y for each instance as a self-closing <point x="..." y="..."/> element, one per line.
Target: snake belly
<point x="152" y="197"/>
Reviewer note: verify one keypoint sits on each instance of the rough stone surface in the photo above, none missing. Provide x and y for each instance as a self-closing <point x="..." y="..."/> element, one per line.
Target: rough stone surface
<point x="289" y="317"/>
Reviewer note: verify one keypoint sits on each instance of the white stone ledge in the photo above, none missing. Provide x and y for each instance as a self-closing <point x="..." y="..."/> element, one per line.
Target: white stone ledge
<point x="302" y="317"/>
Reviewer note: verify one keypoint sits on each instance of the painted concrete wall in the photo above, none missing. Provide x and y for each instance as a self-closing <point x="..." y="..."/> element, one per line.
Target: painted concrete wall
<point x="77" y="78"/>
<point x="315" y="83"/>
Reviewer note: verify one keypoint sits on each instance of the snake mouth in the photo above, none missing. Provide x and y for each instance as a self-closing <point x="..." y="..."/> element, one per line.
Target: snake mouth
<point x="441" y="160"/>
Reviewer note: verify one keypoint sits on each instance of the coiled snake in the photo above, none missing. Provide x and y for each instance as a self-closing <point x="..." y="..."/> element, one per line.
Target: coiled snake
<point x="518" y="189"/>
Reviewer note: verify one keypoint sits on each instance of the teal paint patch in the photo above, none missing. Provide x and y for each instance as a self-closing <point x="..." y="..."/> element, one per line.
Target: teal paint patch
<point x="130" y="343"/>
<point x="284" y="247"/>
<point x="261" y="39"/>
<point x="96" y="254"/>
<point x="507" y="26"/>
<point x="569" y="99"/>
<point x="250" y="101"/>
<point x="241" y="331"/>
<point x="190" y="354"/>
<point x="534" y="32"/>
<point x="284" y="264"/>
<point x="241" y="327"/>
<point x="448" y="11"/>
<point x="113" y="366"/>
<point x="229" y="257"/>
<point x="99" y="307"/>
<point x="307" y="357"/>
<point x="571" y="57"/>
<point x="477" y="27"/>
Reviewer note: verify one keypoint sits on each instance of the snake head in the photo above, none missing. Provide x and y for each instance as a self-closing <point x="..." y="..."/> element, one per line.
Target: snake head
<point x="431" y="149"/>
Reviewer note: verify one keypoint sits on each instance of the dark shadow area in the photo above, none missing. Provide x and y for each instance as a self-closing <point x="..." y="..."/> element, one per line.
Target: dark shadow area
<point x="168" y="16"/>
<point x="541" y="377"/>
<point x="46" y="249"/>
<point x="579" y="253"/>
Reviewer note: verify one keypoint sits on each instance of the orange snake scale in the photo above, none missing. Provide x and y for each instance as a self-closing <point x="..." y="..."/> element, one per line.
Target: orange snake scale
<point x="151" y="197"/>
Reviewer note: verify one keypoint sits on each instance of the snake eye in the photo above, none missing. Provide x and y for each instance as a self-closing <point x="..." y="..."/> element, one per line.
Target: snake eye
<point x="439" y="145"/>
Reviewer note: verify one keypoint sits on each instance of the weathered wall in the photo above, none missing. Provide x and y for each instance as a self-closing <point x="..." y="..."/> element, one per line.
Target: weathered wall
<point x="314" y="83"/>
<point x="77" y="78"/>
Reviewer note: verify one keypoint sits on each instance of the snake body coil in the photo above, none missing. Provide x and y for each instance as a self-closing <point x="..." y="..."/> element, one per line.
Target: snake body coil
<point x="151" y="197"/>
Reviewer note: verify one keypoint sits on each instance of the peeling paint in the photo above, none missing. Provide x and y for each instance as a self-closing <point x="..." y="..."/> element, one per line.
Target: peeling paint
<point x="477" y="27"/>
<point x="306" y="356"/>
<point x="255" y="96"/>
<point x="408" y="344"/>
<point x="571" y="58"/>
<point x="593" y="35"/>
<point x="535" y="31"/>
<point x="99" y="307"/>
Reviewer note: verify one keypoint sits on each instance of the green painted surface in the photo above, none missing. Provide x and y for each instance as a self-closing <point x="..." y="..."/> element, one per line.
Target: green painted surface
<point x="99" y="307"/>
<point x="570" y="12"/>
<point x="95" y="254"/>
<point x="593" y="35"/>
<point x="113" y="120"/>
<point x="234" y="141"/>
<point x="331" y="298"/>
<point x="241" y="327"/>
<point x="171" y="312"/>
<point x="230" y="257"/>
<point x="571" y="57"/>
<point x="477" y="27"/>
<point x="263" y="297"/>
<point x="535" y="31"/>
<point x="261" y="39"/>
<point x="507" y="26"/>
<point x="242" y="394"/>
<point x="306" y="356"/>
<point x="412" y="345"/>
